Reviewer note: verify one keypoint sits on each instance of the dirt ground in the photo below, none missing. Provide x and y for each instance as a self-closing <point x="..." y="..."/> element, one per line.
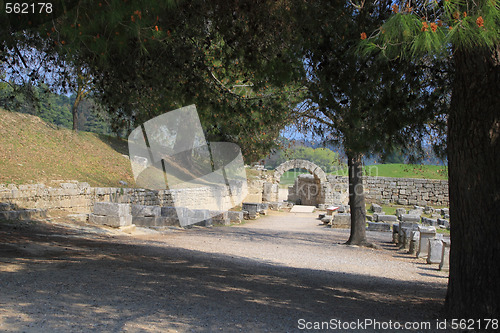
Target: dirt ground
<point x="282" y="273"/>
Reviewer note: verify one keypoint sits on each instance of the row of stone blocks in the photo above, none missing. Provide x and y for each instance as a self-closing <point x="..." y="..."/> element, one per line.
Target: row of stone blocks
<point x="121" y="215"/>
<point x="12" y="212"/>
<point x="424" y="242"/>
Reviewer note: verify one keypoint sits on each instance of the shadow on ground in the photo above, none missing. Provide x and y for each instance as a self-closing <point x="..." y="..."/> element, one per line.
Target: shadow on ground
<point x="55" y="279"/>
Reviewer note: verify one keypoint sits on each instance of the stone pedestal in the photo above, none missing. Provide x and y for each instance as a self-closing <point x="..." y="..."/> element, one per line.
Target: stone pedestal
<point x="444" y="265"/>
<point x="426" y="233"/>
<point x="435" y="250"/>
<point x="415" y="237"/>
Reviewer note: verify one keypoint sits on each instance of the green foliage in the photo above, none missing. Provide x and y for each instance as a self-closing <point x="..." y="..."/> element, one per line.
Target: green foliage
<point x="325" y="158"/>
<point x="430" y="27"/>
<point x="149" y="57"/>
<point x="367" y="105"/>
<point x="52" y="108"/>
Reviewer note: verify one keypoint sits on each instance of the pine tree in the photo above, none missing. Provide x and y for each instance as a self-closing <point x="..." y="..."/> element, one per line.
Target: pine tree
<point x="467" y="31"/>
<point x="366" y="105"/>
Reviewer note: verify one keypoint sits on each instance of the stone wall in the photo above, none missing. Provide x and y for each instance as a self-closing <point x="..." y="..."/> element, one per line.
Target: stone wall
<point x="80" y="197"/>
<point x="407" y="191"/>
<point x="404" y="191"/>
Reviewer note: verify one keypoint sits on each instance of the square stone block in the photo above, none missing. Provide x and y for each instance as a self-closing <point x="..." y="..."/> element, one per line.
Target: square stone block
<point x="111" y="209"/>
<point x="146" y="211"/>
<point x="112" y="221"/>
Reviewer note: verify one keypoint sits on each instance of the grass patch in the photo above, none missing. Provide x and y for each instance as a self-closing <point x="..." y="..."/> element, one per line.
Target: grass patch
<point x="33" y="151"/>
<point x="288" y="177"/>
<point x="402" y="171"/>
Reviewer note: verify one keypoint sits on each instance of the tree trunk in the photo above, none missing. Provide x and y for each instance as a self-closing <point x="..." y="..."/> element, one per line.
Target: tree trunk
<point x="74" y="111"/>
<point x="474" y="178"/>
<point x="357" y="200"/>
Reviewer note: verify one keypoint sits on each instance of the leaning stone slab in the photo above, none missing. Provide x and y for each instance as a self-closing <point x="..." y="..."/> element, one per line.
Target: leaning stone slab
<point x="410" y="218"/>
<point x="426" y="233"/>
<point x="379" y="226"/>
<point x="435" y="250"/>
<point x="111" y="221"/>
<point x="142" y="210"/>
<point x="444" y="265"/>
<point x="111" y="209"/>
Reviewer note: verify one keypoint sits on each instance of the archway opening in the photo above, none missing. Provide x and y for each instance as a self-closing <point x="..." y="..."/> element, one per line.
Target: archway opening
<point x="307" y="188"/>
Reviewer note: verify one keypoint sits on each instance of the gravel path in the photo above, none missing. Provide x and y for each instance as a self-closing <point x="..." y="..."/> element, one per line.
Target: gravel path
<point x="276" y="274"/>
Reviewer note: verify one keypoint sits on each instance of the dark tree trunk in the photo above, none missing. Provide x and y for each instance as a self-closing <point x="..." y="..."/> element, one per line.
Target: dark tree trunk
<point x="357" y="200"/>
<point x="474" y="177"/>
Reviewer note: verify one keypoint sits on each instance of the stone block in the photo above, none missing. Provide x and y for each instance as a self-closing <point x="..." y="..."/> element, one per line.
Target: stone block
<point x="251" y="207"/>
<point x="400" y="211"/>
<point x="444" y="223"/>
<point x="326" y="219"/>
<point x="435" y="251"/>
<point x="428" y="210"/>
<point x="430" y="222"/>
<point x="146" y="211"/>
<point x="387" y="218"/>
<point x="341" y="220"/>
<point x="410" y="218"/>
<point x="112" y="221"/>
<point x="111" y="209"/>
<point x="402" y="202"/>
<point x="379" y="226"/>
<point x="406" y="237"/>
<point x="376" y="208"/>
<point x="6" y="206"/>
<point x="417" y="210"/>
<point x="23" y="214"/>
<point x="410" y="225"/>
<point x="276" y="205"/>
<point x="426" y="233"/>
<point x="219" y="215"/>
<point x="144" y="221"/>
<point x="235" y="216"/>
<point x="163" y="221"/>
<point x="444" y="265"/>
<point x="414" y="239"/>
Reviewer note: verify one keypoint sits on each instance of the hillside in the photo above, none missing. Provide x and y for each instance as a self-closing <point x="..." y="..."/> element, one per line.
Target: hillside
<point x="32" y="151"/>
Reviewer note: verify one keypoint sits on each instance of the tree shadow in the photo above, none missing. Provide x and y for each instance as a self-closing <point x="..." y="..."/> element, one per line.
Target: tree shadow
<point x="57" y="279"/>
<point x="118" y="144"/>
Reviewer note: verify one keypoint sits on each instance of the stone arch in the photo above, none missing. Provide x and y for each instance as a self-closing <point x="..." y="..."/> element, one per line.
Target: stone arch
<point x="312" y="194"/>
<point x="315" y="170"/>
